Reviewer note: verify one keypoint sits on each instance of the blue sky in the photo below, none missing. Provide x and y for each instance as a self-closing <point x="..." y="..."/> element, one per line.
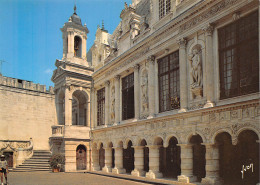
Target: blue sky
<point x="31" y="39"/>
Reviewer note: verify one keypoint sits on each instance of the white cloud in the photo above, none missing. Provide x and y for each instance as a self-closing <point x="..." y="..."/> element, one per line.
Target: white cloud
<point x="48" y="71"/>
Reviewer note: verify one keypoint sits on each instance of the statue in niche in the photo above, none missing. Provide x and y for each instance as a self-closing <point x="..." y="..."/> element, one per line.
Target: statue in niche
<point x="144" y="87"/>
<point x="196" y="72"/>
<point x="112" y="113"/>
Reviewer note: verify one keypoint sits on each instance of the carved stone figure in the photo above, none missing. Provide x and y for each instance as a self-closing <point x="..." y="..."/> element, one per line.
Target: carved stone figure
<point x="196" y="68"/>
<point x="144" y="87"/>
<point x="112" y="113"/>
<point x="196" y="72"/>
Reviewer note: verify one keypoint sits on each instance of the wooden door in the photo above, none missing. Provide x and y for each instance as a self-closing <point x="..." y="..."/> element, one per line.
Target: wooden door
<point x="81" y="158"/>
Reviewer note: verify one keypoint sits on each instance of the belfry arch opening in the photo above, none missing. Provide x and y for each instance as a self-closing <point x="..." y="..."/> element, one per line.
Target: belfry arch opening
<point x="77" y="46"/>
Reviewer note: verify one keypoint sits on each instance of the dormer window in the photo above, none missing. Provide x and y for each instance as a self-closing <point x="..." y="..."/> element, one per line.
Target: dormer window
<point x="77" y="46"/>
<point x="164" y="7"/>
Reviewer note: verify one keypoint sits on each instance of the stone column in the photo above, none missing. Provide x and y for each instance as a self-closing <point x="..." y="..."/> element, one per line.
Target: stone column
<point x="92" y="104"/>
<point x="68" y="106"/>
<point x="151" y="84"/>
<point x="209" y="66"/>
<point x="107" y="102"/>
<point x="95" y="159"/>
<point x="117" y="99"/>
<point x="136" y="91"/>
<point x="154" y="161"/>
<point x="186" y="164"/>
<point x="84" y="47"/>
<point x="183" y="75"/>
<point x="212" y="165"/>
<point x="118" y="161"/>
<point x="139" y="161"/>
<point x="108" y="160"/>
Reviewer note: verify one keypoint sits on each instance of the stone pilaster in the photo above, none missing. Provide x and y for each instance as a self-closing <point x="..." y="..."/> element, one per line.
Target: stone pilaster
<point x="151" y="86"/>
<point x="183" y="75"/>
<point x="118" y="169"/>
<point x="117" y="99"/>
<point x="212" y="165"/>
<point x="107" y="102"/>
<point x="136" y="91"/>
<point x="95" y="157"/>
<point x="108" y="160"/>
<point x="84" y="47"/>
<point x="186" y="164"/>
<point x="154" y="161"/>
<point x="139" y="161"/>
<point x="209" y="66"/>
<point x="70" y="44"/>
<point x="68" y="106"/>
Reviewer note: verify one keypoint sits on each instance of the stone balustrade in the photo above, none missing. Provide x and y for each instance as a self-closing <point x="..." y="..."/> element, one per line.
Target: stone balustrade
<point x="57" y="130"/>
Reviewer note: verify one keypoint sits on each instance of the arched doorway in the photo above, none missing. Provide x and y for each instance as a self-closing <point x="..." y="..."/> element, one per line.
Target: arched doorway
<point x="101" y="156"/>
<point x="199" y="160"/>
<point x="113" y="155"/>
<point x="128" y="159"/>
<point x="172" y="159"/>
<point x="146" y="155"/>
<point x="81" y="157"/>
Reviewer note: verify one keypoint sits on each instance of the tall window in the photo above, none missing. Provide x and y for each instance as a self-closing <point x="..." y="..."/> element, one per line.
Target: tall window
<point x="238" y="54"/>
<point x="128" y="97"/>
<point x="164" y="7"/>
<point x="77" y="46"/>
<point x="169" y="82"/>
<point x="101" y="107"/>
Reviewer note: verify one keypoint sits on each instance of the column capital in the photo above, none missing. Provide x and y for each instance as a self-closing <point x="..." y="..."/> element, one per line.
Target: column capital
<point x="136" y="67"/>
<point x="151" y="59"/>
<point x="117" y="77"/>
<point x="185" y="145"/>
<point x="154" y="146"/>
<point x="138" y="147"/>
<point x="182" y="43"/>
<point x="107" y="83"/>
<point x="210" y="145"/>
<point x="208" y="29"/>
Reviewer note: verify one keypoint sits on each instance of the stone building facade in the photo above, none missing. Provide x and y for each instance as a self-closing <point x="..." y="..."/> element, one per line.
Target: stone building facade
<point x="176" y="92"/>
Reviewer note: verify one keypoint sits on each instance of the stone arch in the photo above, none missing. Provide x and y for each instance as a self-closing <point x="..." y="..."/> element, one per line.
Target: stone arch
<point x="219" y="131"/>
<point x="127" y="141"/>
<point x="248" y="128"/>
<point x="158" y="140"/>
<point x="189" y="136"/>
<point x="80" y="107"/>
<point x="119" y="144"/>
<point x="166" y="143"/>
<point x="99" y="144"/>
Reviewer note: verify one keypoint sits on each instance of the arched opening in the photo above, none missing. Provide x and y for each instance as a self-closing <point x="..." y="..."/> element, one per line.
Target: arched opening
<point x="128" y="158"/>
<point x="199" y="160"/>
<point x="246" y="159"/>
<point x="172" y="159"/>
<point x="226" y="157"/>
<point x="146" y="155"/>
<point x="113" y="155"/>
<point x="61" y="108"/>
<point x="81" y="157"/>
<point x="77" y="46"/>
<point x="101" y="156"/>
<point x="79" y="108"/>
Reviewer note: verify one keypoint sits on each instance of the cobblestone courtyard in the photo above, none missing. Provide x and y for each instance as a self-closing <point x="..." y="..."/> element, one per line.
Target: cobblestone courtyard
<point x="47" y="178"/>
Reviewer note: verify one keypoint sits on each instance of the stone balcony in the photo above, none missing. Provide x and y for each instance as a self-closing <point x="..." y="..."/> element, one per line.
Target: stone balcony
<point x="57" y="131"/>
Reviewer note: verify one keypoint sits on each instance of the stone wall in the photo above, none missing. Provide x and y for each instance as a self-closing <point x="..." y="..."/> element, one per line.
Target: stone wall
<point x="27" y="111"/>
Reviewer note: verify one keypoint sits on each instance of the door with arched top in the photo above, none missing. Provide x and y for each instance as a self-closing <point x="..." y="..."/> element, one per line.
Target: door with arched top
<point x="81" y="157"/>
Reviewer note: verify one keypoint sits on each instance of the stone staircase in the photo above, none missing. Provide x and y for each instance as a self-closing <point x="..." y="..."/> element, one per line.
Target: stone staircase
<point x="38" y="162"/>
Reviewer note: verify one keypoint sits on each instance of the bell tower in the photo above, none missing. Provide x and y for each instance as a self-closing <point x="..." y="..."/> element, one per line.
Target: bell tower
<point x="74" y="37"/>
<point x="72" y="82"/>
